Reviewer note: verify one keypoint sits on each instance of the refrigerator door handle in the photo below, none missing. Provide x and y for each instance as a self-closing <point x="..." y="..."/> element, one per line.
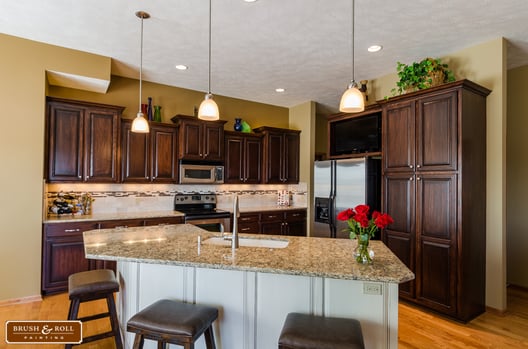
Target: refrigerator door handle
<point x="332" y="218"/>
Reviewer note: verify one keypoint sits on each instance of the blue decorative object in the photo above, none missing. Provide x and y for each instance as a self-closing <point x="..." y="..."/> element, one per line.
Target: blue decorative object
<point x="238" y="124"/>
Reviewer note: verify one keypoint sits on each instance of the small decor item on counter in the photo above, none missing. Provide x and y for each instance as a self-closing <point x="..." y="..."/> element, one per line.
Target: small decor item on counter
<point x="283" y="198"/>
<point x="427" y="73"/>
<point x="362" y="228"/>
<point x="150" y="116"/>
<point x="157" y="113"/>
<point x="238" y="125"/>
<point x="245" y="127"/>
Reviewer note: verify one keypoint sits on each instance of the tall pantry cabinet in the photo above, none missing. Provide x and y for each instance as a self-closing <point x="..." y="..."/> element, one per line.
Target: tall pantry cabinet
<point x="434" y="186"/>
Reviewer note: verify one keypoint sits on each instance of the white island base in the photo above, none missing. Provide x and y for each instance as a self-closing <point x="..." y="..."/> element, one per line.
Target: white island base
<point x="253" y="305"/>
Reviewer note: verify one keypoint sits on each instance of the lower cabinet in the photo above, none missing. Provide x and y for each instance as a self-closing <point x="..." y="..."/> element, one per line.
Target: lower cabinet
<point x="63" y="249"/>
<point x="290" y="222"/>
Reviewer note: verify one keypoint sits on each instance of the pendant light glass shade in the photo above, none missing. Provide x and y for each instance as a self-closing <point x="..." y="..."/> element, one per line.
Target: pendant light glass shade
<point x="208" y="109"/>
<point x="352" y="100"/>
<point x="140" y="124"/>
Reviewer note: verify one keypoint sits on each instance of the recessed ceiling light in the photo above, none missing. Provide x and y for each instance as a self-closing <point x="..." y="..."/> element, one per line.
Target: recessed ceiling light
<point x="181" y="67"/>
<point x="375" y="48"/>
<point x="250" y="0"/>
<point x="280" y="90"/>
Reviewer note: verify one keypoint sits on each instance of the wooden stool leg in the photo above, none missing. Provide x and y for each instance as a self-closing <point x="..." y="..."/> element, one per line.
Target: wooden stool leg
<point x="138" y="341"/>
<point x="114" y="321"/>
<point x="72" y="315"/>
<point x="209" y="338"/>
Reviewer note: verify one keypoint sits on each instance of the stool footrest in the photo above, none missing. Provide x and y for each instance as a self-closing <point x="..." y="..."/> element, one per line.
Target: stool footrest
<point x="94" y="317"/>
<point x="98" y="336"/>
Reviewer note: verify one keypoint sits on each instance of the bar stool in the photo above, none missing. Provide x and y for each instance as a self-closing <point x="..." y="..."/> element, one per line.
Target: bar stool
<point x="89" y="286"/>
<point x="168" y="321"/>
<point x="302" y="331"/>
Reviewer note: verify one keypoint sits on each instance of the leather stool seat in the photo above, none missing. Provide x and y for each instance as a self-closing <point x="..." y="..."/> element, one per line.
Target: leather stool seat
<point x="302" y="331"/>
<point x="89" y="286"/>
<point x="169" y="321"/>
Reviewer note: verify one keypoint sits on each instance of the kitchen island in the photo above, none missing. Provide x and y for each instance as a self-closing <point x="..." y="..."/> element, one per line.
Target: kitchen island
<point x="253" y="287"/>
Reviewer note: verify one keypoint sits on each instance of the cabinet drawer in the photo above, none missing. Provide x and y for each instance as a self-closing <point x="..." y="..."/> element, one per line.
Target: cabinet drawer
<point x="66" y="229"/>
<point x="271" y="216"/>
<point x="299" y="215"/>
<point x="248" y="218"/>
<point x="121" y="223"/>
<point x="249" y="228"/>
<point x="164" y="220"/>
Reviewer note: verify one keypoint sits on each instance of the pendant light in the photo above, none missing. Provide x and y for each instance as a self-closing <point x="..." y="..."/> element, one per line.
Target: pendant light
<point x="140" y="124"/>
<point x="208" y="109"/>
<point x="352" y="100"/>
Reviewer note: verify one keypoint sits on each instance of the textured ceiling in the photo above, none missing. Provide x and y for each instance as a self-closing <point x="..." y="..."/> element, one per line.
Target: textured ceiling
<point x="303" y="46"/>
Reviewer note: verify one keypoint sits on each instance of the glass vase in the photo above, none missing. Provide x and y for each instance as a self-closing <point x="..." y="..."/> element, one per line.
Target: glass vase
<point x="363" y="253"/>
<point x="157" y="113"/>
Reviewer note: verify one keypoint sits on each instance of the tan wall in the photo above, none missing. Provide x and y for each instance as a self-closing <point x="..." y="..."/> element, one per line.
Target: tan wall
<point x="484" y="64"/>
<point x="174" y="100"/>
<point x="302" y="117"/>
<point x="517" y="174"/>
<point x="23" y="64"/>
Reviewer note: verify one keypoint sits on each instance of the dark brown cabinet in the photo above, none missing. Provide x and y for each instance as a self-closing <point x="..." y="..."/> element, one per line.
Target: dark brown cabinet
<point x="149" y="157"/>
<point x="63" y="249"/>
<point x="281" y="149"/>
<point x="82" y="141"/>
<point x="434" y="186"/>
<point x="200" y="140"/>
<point x="243" y="157"/>
<point x="291" y="222"/>
<point x="249" y="223"/>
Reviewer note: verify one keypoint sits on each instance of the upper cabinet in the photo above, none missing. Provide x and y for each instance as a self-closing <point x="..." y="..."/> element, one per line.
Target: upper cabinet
<point x="149" y="157"/>
<point x="82" y="141"/>
<point x="280" y="155"/>
<point x="243" y="157"/>
<point x="200" y="140"/>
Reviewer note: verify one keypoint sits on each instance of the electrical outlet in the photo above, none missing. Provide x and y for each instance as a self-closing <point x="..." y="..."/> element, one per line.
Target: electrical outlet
<point x="372" y="288"/>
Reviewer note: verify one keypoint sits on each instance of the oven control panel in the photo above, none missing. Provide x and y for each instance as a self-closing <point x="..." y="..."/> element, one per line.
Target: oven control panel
<point x="194" y="199"/>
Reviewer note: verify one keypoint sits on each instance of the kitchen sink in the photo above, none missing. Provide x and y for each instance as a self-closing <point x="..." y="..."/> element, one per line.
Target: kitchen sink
<point x="248" y="242"/>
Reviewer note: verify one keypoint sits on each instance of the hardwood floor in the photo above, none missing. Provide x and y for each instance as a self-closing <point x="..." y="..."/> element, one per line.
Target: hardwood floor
<point x="417" y="329"/>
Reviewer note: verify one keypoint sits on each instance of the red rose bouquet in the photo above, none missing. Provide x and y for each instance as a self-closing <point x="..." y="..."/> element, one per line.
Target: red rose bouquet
<point x="362" y="227"/>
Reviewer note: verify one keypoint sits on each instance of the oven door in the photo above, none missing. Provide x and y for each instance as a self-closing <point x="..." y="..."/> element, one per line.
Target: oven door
<point x="218" y="225"/>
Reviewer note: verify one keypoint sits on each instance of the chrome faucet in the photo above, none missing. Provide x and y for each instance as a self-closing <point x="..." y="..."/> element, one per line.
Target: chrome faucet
<point x="236" y="214"/>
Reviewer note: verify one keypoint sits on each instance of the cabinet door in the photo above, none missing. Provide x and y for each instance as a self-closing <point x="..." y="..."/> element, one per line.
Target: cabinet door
<point x="437" y="130"/>
<point x="63" y="256"/>
<point x="295" y="222"/>
<point x="398" y="137"/>
<point x="253" y="160"/>
<point x="272" y="223"/>
<point x="399" y="201"/>
<point x="164" y="156"/>
<point x="134" y="154"/>
<point x="275" y="158"/>
<point x="65" y="142"/>
<point x="436" y="216"/>
<point x="213" y="142"/>
<point x="101" y="132"/>
<point x="191" y="143"/>
<point x="234" y="159"/>
<point x="291" y="158"/>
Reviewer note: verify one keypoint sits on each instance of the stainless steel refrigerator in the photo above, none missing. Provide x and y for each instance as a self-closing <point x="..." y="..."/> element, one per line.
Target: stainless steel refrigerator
<point x="342" y="184"/>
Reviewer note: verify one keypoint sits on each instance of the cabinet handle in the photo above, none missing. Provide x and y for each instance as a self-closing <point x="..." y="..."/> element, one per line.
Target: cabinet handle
<point x="411" y="179"/>
<point x="418" y="178"/>
<point x="80" y="177"/>
<point x="147" y="177"/>
<point x="244" y="229"/>
<point x="121" y="227"/>
<point x="296" y="214"/>
<point x="71" y="230"/>
<point x="411" y="166"/>
<point x="417" y="166"/>
<point x="153" y="177"/>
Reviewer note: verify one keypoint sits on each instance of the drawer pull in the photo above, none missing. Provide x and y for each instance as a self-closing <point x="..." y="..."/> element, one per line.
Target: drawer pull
<point x="71" y="230"/>
<point x="245" y="229"/>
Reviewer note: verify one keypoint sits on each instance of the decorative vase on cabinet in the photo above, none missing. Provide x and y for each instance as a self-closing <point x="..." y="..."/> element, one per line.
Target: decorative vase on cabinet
<point x="238" y="125"/>
<point x="157" y="113"/>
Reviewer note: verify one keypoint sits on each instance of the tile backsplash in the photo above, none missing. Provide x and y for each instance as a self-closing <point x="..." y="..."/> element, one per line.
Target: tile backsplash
<point x="124" y="198"/>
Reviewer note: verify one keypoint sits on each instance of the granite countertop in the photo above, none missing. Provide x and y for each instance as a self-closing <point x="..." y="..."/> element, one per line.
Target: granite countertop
<point x="111" y="216"/>
<point x="307" y="256"/>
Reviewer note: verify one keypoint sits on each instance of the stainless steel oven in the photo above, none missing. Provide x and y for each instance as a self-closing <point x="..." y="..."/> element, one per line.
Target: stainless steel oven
<point x="200" y="210"/>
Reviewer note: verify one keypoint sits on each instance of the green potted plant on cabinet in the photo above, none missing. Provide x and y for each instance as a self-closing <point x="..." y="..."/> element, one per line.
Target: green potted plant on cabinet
<point x="427" y="73"/>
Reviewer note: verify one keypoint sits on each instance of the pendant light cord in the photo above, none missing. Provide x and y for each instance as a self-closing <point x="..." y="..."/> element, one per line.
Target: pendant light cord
<point x="141" y="64"/>
<point x="209" y="85"/>
<point x="353" y="15"/>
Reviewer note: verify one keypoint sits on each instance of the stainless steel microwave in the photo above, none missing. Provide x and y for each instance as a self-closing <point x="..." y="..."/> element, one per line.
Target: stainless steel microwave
<point x="201" y="174"/>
